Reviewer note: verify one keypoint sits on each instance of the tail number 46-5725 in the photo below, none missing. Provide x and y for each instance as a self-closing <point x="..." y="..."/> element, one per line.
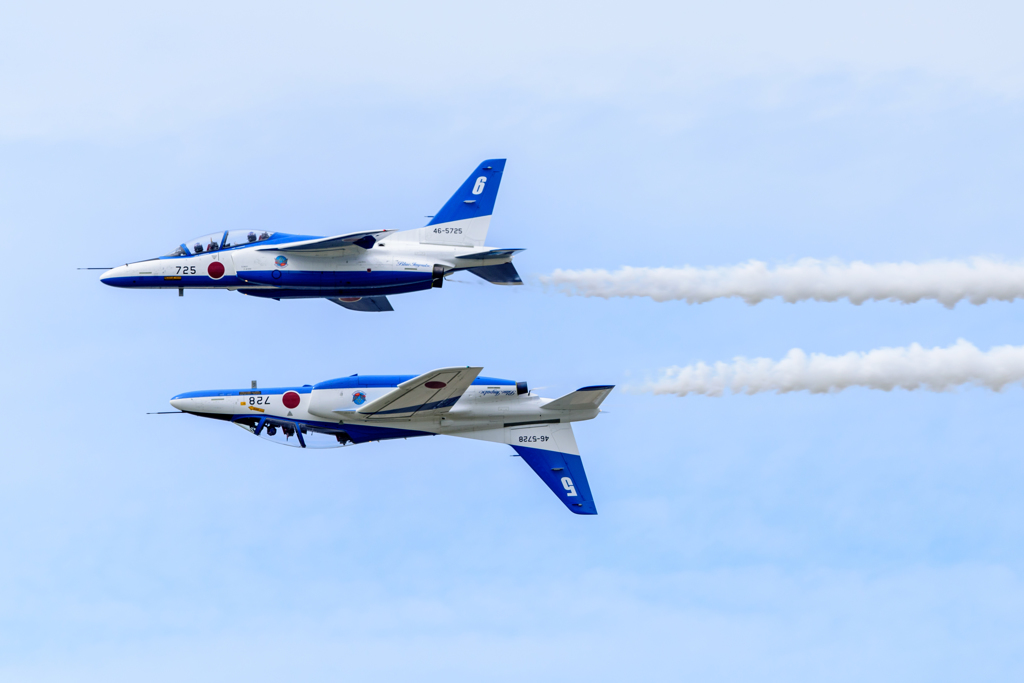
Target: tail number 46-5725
<point x="567" y="483"/>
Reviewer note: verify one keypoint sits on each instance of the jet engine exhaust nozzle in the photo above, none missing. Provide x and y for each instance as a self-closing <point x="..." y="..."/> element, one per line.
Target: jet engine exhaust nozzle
<point x="437" y="277"/>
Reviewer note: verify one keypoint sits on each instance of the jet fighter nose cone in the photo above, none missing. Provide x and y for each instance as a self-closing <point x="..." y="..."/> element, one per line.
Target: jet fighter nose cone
<point x="113" y="276"/>
<point x="181" y="404"/>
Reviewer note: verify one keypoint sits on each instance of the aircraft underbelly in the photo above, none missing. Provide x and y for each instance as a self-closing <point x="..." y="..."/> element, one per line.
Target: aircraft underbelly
<point x="361" y="433"/>
<point x="174" y="282"/>
<point x="336" y="279"/>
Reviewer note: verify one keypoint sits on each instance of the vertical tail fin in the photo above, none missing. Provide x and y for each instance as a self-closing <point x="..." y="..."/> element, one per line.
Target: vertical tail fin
<point x="550" y="450"/>
<point x="564" y="475"/>
<point x="464" y="219"/>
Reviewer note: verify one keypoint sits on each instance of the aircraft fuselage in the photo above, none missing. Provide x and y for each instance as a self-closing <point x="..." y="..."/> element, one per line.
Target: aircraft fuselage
<point x="330" y="408"/>
<point x="259" y="269"/>
<point x="452" y="401"/>
<point x="371" y="264"/>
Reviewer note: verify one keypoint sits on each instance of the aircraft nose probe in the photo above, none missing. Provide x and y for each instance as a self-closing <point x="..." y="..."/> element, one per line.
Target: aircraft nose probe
<point x="105" y="274"/>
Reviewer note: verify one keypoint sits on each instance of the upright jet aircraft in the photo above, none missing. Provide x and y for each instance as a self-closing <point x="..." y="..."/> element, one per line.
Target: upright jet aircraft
<point x="357" y="270"/>
<point x="452" y="401"/>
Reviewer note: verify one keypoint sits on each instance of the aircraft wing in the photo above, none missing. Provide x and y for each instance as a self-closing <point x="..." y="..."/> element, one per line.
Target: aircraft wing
<point x="365" y="240"/>
<point x="433" y="393"/>
<point x="369" y="304"/>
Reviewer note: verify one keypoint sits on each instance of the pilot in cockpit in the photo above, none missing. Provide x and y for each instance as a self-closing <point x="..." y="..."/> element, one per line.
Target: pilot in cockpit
<point x="264" y="236"/>
<point x="198" y="248"/>
<point x="212" y="246"/>
<point x="252" y="237"/>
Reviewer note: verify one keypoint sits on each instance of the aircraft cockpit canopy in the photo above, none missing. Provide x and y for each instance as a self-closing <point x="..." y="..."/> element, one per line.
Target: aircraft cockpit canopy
<point x="216" y="241"/>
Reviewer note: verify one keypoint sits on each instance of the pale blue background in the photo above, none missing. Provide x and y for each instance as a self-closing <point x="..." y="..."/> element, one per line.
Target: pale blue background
<point x="860" y="536"/>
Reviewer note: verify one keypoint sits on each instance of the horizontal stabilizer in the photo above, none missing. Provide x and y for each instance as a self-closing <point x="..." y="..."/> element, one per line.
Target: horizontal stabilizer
<point x="492" y="254"/>
<point x="564" y="475"/>
<point x="501" y="274"/>
<point x="581" y="399"/>
<point x="433" y="393"/>
<point x="365" y="240"/>
<point x="368" y="304"/>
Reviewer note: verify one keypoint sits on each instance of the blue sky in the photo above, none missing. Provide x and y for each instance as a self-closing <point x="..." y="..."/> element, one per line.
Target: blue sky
<point x="793" y="537"/>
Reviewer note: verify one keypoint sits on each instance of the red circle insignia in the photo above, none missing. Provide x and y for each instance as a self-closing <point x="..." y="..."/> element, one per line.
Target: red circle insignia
<point x="435" y="385"/>
<point x="290" y="400"/>
<point x="215" y="270"/>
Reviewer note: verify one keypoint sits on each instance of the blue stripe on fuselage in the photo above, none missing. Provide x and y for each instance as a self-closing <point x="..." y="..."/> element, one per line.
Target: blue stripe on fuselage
<point x="161" y="282"/>
<point x="352" y="382"/>
<point x="243" y="392"/>
<point x="291" y="284"/>
<point x="336" y="279"/>
<point x="362" y="433"/>
<point x="358" y="433"/>
<point x="325" y="292"/>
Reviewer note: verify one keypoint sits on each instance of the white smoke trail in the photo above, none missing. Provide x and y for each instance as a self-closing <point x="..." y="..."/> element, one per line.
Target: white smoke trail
<point x="978" y="280"/>
<point x="911" y="367"/>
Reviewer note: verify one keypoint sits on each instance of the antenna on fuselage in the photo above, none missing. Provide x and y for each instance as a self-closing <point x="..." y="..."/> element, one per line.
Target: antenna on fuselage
<point x="254" y="384"/>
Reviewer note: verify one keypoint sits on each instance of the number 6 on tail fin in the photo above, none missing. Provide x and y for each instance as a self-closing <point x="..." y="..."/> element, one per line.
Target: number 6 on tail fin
<point x="567" y="483"/>
<point x="550" y="450"/>
<point x="465" y="218"/>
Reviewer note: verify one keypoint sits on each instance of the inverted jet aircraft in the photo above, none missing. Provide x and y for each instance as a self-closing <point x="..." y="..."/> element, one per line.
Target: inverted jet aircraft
<point x="450" y="401"/>
<point x="357" y="270"/>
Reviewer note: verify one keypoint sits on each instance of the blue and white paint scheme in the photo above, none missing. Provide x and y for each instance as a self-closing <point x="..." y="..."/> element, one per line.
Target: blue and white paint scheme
<point x="450" y="401"/>
<point x="357" y="270"/>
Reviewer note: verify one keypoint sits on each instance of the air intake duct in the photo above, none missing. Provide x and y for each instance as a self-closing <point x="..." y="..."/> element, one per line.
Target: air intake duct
<point x="521" y="388"/>
<point x="437" y="277"/>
